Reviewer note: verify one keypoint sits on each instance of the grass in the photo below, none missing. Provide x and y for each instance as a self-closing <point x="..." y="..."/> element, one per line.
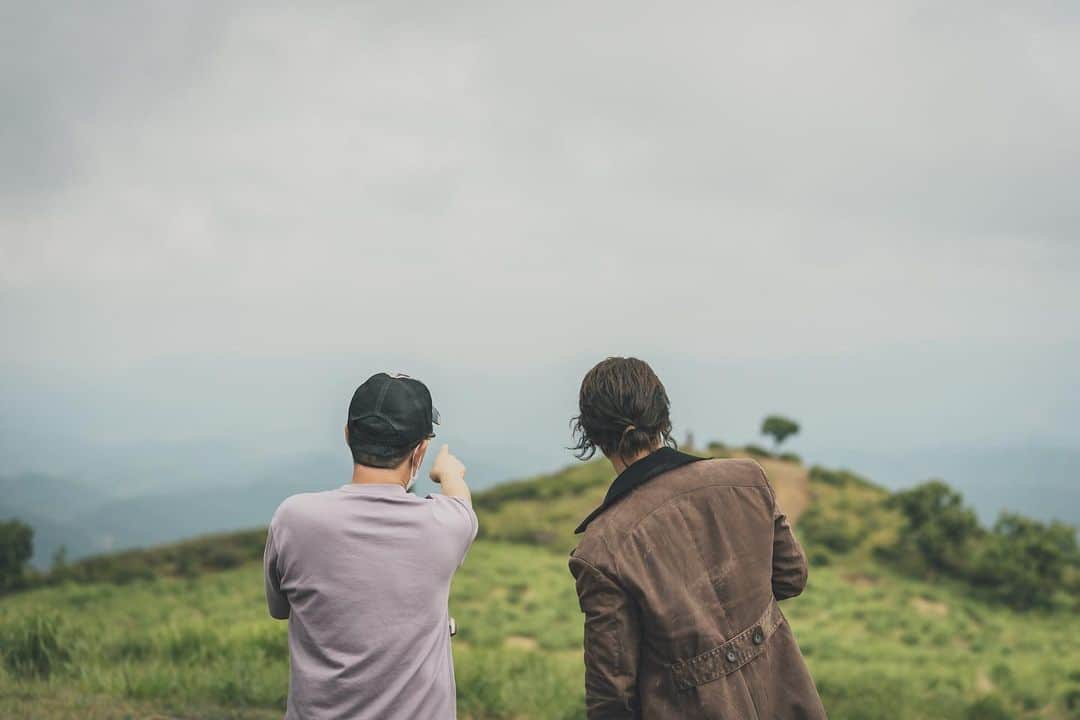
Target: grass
<point x="879" y="644"/>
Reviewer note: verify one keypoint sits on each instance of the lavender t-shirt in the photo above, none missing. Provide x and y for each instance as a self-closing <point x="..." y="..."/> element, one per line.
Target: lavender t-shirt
<point x="363" y="575"/>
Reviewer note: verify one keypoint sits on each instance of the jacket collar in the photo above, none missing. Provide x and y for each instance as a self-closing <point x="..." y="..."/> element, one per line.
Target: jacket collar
<point x="637" y="474"/>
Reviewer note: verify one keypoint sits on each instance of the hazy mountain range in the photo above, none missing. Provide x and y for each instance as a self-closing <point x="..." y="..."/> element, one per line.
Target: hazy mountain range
<point x="87" y="519"/>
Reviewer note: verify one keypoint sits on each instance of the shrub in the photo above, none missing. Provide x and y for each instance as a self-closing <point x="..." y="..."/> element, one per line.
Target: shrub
<point x="224" y="557"/>
<point x="718" y="449"/>
<point x="790" y="457"/>
<point x="1023" y="561"/>
<point x="838" y="478"/>
<point x="838" y="533"/>
<point x="939" y="533"/>
<point x="1071" y="700"/>
<point x="757" y="451"/>
<point x="988" y="708"/>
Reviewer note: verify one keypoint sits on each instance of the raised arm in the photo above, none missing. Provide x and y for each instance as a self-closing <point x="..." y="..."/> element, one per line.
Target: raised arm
<point x="449" y="473"/>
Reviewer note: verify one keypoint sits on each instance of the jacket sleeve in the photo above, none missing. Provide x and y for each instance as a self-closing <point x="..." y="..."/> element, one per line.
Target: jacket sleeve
<point x="789" y="568"/>
<point x="611" y="644"/>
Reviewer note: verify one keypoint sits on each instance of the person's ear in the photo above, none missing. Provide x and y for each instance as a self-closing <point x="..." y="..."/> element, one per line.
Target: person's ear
<point x="423" y="451"/>
<point x="346" y="434"/>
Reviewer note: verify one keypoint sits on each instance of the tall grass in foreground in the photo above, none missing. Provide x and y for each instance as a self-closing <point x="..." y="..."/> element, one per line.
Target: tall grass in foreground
<point x="880" y="646"/>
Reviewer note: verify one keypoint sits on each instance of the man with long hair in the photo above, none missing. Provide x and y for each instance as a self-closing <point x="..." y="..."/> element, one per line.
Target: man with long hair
<point x="680" y="569"/>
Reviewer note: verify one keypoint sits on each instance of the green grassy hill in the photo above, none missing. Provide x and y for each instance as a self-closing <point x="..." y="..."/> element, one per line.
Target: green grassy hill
<point x="182" y="631"/>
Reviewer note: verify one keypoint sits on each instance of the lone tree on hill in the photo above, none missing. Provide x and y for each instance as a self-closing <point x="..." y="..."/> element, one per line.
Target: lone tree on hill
<point x="16" y="547"/>
<point x="779" y="428"/>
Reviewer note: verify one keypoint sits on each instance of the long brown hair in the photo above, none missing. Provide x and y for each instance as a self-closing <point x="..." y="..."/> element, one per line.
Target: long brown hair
<point x="622" y="407"/>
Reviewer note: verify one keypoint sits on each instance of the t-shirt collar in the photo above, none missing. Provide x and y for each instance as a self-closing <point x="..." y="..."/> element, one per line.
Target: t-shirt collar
<point x="373" y="488"/>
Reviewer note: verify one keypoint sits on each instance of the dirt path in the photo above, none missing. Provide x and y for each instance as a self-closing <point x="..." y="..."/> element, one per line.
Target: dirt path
<point x="792" y="484"/>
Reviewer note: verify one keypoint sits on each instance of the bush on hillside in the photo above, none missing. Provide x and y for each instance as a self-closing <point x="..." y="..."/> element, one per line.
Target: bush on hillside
<point x="790" y="457"/>
<point x="573" y="481"/>
<point x="186" y="559"/>
<point x="940" y="533"/>
<point x="839" y="534"/>
<point x="1021" y="562"/>
<point x="838" y="478"/>
<point x="988" y="708"/>
<point x="718" y="449"/>
<point x="757" y="451"/>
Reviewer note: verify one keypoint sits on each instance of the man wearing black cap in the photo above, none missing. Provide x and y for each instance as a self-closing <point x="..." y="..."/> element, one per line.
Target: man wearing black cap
<point x="363" y="572"/>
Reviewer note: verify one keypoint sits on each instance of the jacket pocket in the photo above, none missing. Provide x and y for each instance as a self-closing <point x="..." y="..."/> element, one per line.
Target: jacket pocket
<point x="729" y="657"/>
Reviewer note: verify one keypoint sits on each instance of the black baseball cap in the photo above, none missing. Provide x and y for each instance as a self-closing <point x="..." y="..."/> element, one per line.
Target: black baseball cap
<point x="389" y="414"/>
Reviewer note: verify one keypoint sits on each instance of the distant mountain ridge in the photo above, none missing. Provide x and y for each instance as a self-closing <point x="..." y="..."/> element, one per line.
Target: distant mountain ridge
<point x="92" y="519"/>
<point x="87" y="522"/>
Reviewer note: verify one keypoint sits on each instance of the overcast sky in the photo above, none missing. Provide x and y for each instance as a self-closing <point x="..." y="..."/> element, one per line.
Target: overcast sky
<point x="831" y="207"/>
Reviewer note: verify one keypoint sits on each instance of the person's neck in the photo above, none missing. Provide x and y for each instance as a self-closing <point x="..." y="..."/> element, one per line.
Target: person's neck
<point x="364" y="475"/>
<point x="620" y="463"/>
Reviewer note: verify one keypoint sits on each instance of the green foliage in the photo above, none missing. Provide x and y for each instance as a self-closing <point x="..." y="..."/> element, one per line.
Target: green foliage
<point x="32" y="647"/>
<point x="838" y="533"/>
<point x="1070" y="699"/>
<point x="188" y="559"/>
<point x="16" y="547"/>
<point x="847" y="514"/>
<point x="779" y="428"/>
<point x="757" y="451"/>
<point x="990" y="707"/>
<point x="940" y="533"/>
<point x="573" y="481"/>
<point x="503" y="683"/>
<point x="840" y="478"/>
<point x="543" y="511"/>
<point x="206" y="648"/>
<point x="716" y="447"/>
<point x="1022" y="562"/>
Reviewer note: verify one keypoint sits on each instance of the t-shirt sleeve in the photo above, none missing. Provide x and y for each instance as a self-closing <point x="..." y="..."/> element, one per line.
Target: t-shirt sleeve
<point x="276" y="601"/>
<point x="457" y="517"/>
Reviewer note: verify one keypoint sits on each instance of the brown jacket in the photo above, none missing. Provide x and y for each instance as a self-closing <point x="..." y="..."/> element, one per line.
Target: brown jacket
<point x="678" y="575"/>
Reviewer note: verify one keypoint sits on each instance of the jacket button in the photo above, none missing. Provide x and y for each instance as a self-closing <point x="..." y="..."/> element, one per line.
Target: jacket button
<point x="758" y="638"/>
<point x="731" y="656"/>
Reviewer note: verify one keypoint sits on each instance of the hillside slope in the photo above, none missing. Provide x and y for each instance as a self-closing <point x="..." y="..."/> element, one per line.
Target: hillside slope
<point x="178" y="640"/>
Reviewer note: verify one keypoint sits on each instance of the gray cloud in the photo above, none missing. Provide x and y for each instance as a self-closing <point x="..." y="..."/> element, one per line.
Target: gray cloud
<point x="498" y="186"/>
